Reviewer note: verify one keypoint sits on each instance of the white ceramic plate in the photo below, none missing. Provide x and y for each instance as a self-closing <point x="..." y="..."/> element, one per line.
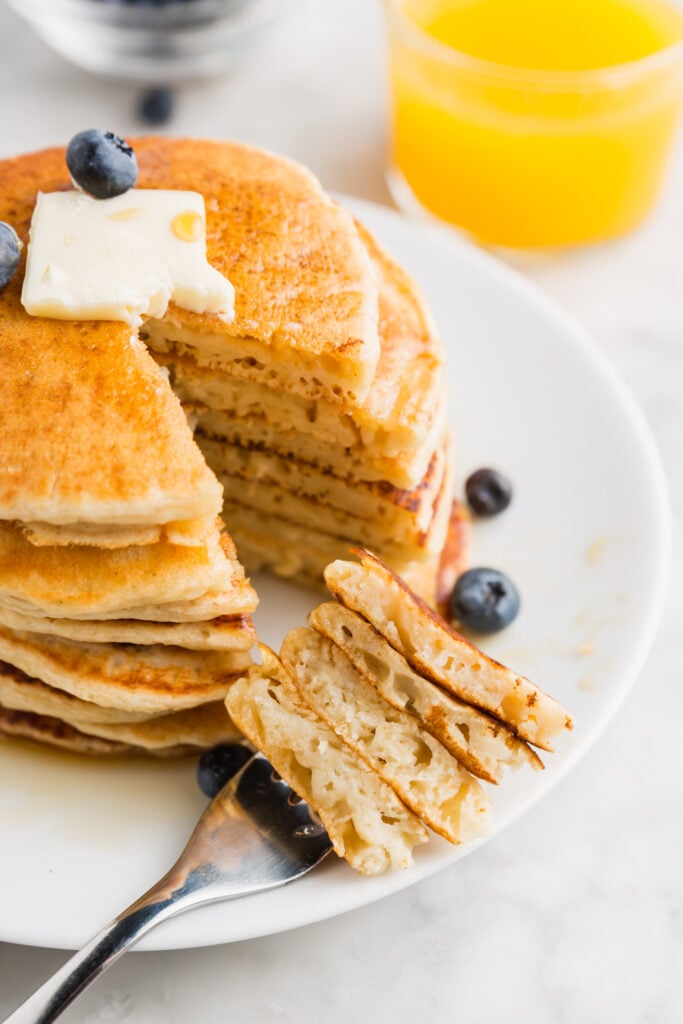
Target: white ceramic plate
<point x="586" y="539"/>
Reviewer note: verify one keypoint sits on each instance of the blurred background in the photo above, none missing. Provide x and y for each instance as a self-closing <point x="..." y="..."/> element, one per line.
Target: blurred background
<point x="312" y="85"/>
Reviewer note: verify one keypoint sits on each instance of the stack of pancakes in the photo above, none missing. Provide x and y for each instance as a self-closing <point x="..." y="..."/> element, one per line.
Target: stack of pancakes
<point x="124" y="611"/>
<point x="382" y="718"/>
<point x="321" y="407"/>
<point x="318" y="416"/>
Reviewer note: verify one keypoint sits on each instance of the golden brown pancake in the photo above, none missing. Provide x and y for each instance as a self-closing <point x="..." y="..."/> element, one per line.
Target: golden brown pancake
<point x="253" y="431"/>
<point x="22" y="692"/>
<point x="440" y="654"/>
<point x="271" y="540"/>
<point x="481" y="743"/>
<point x="200" y="728"/>
<point x="56" y="733"/>
<point x="422" y="773"/>
<point x="365" y="820"/>
<point x="394" y="430"/>
<point x="92" y="431"/>
<point x="203" y="726"/>
<point x="225" y="633"/>
<point x="283" y="244"/>
<point x="89" y="582"/>
<point x="52" y="731"/>
<point x="372" y="514"/>
<point x="149" y="679"/>
<point x="190" y="532"/>
<point x="109" y="536"/>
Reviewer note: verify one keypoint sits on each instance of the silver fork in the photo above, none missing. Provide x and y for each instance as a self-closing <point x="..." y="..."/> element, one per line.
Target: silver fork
<point x="255" y="835"/>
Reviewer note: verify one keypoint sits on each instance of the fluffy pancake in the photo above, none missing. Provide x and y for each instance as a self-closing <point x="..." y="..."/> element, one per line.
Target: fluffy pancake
<point x="202" y="727"/>
<point x="237" y="599"/>
<point x="254" y="431"/>
<point x="21" y="692"/>
<point x="75" y="455"/>
<point x="86" y="581"/>
<point x="481" y="743"/>
<point x="400" y="408"/>
<point x="409" y="382"/>
<point x="370" y="512"/>
<point x="279" y="239"/>
<point x="226" y="633"/>
<point x="96" y="433"/>
<point x="282" y="243"/>
<point x="55" y="733"/>
<point x="302" y="553"/>
<point x="193" y="532"/>
<point x="150" y="679"/>
<point x="438" y="653"/>
<point x="365" y="820"/>
<point x="417" y="767"/>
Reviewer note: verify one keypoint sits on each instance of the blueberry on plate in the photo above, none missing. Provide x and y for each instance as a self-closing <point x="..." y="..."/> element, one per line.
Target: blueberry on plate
<point x="484" y="600"/>
<point x="217" y="766"/>
<point x="156" y="105"/>
<point x="488" y="492"/>
<point x="10" y="252"/>
<point x="101" y="163"/>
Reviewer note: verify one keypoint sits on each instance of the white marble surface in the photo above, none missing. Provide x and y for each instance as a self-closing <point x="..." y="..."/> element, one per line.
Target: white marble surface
<point x="574" y="914"/>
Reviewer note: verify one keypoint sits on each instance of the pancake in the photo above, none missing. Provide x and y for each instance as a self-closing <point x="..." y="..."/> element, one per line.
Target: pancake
<point x="365" y="820"/>
<point x="87" y="581"/>
<point x="150" y="679"/>
<point x="226" y="633"/>
<point x="302" y="553"/>
<point x="274" y="542"/>
<point x="309" y="513"/>
<point x="371" y="512"/>
<point x="409" y="382"/>
<point x="200" y="728"/>
<point x="193" y="532"/>
<point x="277" y="237"/>
<point x="481" y="743"/>
<point x="282" y="243"/>
<point x="440" y="654"/>
<point x="96" y="433"/>
<point x="21" y="692"/>
<point x="255" y="432"/>
<point x="55" y="733"/>
<point x="237" y="599"/>
<point x="418" y="768"/>
<point x="321" y="405"/>
<point x="399" y="410"/>
<point x="73" y="454"/>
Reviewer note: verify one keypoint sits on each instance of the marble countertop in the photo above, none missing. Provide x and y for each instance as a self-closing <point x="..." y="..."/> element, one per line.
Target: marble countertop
<point x="574" y="913"/>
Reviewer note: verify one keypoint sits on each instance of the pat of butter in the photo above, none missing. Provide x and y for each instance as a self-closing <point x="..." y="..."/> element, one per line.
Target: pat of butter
<point x="121" y="259"/>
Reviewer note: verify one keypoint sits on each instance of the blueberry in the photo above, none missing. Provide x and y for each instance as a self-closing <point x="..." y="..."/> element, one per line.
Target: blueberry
<point x="488" y="492"/>
<point x="218" y="765"/>
<point x="101" y="163"/>
<point x="156" y="105"/>
<point x="484" y="600"/>
<point x="10" y="253"/>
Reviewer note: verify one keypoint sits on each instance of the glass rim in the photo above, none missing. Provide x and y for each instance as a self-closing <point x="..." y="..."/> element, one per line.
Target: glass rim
<point x="599" y="77"/>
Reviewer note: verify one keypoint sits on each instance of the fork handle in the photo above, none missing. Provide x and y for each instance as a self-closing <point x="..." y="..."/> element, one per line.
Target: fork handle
<point x="53" y="997"/>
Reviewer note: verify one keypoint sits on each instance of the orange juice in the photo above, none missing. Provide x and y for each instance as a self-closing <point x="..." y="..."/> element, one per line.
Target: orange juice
<point x="534" y="122"/>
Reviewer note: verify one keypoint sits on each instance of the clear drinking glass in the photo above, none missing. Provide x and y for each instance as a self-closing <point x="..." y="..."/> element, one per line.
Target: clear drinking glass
<point x="521" y="157"/>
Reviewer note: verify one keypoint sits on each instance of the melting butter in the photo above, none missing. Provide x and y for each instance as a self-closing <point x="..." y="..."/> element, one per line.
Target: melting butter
<point x="121" y="259"/>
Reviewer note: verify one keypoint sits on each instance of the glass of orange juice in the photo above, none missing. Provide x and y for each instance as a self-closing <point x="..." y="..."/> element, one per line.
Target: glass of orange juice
<point x="533" y="122"/>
